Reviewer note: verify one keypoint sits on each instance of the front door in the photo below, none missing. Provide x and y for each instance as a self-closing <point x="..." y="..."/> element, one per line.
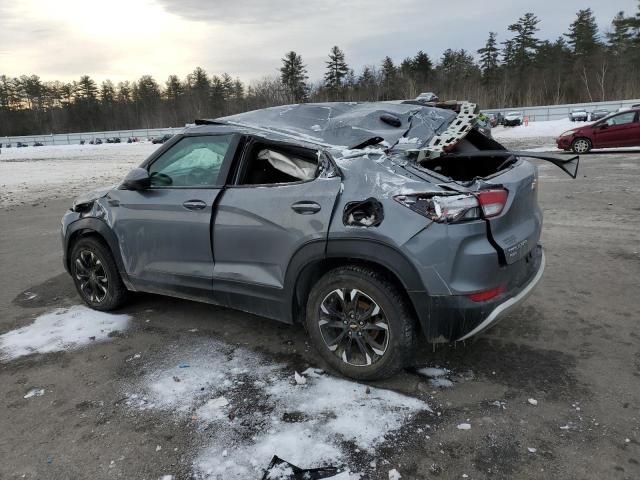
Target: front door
<point x="621" y="130"/>
<point x="164" y="231"/>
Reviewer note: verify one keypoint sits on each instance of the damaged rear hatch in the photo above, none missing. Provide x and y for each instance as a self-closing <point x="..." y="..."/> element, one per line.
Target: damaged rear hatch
<point x="486" y="181"/>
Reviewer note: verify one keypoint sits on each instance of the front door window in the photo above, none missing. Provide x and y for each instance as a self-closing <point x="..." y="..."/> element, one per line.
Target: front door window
<point x="192" y="162"/>
<point x="622" y="119"/>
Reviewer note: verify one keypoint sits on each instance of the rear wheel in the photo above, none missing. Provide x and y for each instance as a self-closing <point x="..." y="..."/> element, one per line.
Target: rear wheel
<point x="96" y="276"/>
<point x="360" y="323"/>
<point x="581" y="145"/>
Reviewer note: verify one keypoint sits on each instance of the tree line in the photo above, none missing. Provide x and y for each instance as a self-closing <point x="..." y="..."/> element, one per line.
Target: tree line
<point x="583" y="64"/>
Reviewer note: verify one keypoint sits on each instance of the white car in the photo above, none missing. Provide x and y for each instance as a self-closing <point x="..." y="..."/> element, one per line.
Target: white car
<point x="512" y="119"/>
<point x="578" y="115"/>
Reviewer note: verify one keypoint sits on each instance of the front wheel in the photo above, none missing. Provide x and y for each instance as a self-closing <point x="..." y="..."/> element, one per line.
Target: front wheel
<point x="581" y="145"/>
<point x="96" y="275"/>
<point x="361" y="323"/>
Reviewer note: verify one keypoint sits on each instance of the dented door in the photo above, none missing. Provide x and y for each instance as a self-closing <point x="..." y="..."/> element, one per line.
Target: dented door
<point x="257" y="229"/>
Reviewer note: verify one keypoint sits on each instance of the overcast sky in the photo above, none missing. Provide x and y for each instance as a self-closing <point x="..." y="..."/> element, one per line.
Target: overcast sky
<point x="123" y="39"/>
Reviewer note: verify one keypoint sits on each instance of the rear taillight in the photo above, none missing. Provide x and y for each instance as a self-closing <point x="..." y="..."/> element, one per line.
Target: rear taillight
<point x="492" y="201"/>
<point x="456" y="208"/>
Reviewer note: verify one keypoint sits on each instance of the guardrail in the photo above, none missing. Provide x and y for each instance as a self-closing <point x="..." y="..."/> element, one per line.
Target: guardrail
<point x="76" y="138"/>
<point x="557" y="112"/>
<point x="535" y="114"/>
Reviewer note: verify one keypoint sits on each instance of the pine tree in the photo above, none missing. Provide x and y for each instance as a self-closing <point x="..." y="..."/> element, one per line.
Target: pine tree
<point x="125" y="92"/>
<point x="524" y="42"/>
<point x="489" y="56"/>
<point x="389" y="79"/>
<point x="337" y="70"/>
<point x="8" y="96"/>
<point x="107" y="92"/>
<point x="217" y="97"/>
<point x="293" y="75"/>
<point x="173" y="88"/>
<point x="227" y="86"/>
<point x="620" y="38"/>
<point x="422" y="67"/>
<point x="583" y="34"/>
<point x="87" y="89"/>
<point x="367" y="78"/>
<point x="238" y="89"/>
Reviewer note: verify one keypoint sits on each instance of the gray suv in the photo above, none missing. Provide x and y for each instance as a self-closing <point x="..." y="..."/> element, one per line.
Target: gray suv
<point x="376" y="225"/>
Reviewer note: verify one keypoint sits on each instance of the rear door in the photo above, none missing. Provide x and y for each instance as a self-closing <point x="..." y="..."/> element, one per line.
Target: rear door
<point x="164" y="231"/>
<point x="257" y="230"/>
<point x="620" y="130"/>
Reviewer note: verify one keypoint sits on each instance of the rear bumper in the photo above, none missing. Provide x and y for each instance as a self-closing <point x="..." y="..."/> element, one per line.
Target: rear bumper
<point x="451" y="318"/>
<point x="508" y="305"/>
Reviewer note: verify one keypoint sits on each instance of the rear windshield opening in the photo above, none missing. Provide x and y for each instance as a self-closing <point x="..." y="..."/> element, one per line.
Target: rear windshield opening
<point x="272" y="164"/>
<point x="465" y="169"/>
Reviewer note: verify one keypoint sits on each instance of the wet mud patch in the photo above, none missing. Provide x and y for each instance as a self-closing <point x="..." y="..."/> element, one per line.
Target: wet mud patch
<point x="524" y="323"/>
<point x="625" y="256"/>
<point x="56" y="291"/>
<point x="499" y="456"/>
<point x="518" y="366"/>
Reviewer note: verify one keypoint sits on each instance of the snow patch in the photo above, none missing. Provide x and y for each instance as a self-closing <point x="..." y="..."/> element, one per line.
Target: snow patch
<point x="63" y="329"/>
<point x="464" y="426"/>
<point x="246" y="405"/>
<point x="32" y="174"/>
<point x="433" y="372"/>
<point x="35" y="392"/>
<point x="551" y="128"/>
<point x="394" y="474"/>
<point x="436" y="377"/>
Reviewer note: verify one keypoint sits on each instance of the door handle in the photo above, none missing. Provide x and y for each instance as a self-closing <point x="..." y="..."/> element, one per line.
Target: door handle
<point x="194" y="205"/>
<point x="306" y="208"/>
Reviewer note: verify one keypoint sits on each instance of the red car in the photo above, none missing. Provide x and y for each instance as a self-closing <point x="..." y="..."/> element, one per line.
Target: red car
<point x="621" y="129"/>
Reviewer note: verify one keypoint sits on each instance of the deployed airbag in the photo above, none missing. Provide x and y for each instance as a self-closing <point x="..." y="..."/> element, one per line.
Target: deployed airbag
<point x="296" y="167"/>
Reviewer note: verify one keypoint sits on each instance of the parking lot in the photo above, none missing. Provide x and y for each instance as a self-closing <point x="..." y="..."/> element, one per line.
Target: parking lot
<point x="191" y="390"/>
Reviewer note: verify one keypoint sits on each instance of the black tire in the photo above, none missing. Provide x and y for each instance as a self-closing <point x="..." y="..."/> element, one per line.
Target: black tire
<point x="398" y="337"/>
<point x="90" y="262"/>
<point x="581" y="145"/>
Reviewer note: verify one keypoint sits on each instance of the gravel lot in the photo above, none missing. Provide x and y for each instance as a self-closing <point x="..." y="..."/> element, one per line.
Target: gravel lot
<point x="552" y="392"/>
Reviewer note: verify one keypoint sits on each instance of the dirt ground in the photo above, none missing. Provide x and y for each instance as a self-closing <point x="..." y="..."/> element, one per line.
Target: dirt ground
<point x="574" y="347"/>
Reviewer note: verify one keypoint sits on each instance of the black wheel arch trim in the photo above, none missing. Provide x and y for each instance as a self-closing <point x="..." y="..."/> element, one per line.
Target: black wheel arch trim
<point x="95" y="226"/>
<point x="357" y="249"/>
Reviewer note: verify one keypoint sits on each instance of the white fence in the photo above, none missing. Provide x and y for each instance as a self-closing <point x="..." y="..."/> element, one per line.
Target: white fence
<point x="557" y="112"/>
<point x="76" y="138"/>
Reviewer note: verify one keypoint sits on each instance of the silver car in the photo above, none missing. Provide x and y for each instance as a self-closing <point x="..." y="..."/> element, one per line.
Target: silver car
<point x="380" y="226"/>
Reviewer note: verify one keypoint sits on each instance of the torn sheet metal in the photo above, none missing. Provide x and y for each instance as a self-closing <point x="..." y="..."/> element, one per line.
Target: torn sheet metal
<point x="455" y="131"/>
<point x="282" y="470"/>
<point x="349" y="124"/>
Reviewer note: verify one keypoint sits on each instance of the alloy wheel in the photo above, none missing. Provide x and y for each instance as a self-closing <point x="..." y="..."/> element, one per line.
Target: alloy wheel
<point x="91" y="276"/>
<point x="353" y="327"/>
<point x="581" y="146"/>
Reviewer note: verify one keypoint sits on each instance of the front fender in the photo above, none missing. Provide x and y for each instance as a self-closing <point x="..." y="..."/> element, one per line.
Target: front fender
<point x="94" y="226"/>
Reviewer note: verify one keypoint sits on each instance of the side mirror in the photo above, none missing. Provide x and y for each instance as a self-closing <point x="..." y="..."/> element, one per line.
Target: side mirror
<point x="603" y="126"/>
<point x="137" y="179"/>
